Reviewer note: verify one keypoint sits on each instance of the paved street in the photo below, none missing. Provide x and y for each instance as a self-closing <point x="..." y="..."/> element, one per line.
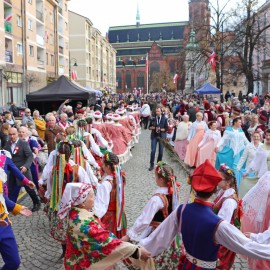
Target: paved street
<point x="39" y="251"/>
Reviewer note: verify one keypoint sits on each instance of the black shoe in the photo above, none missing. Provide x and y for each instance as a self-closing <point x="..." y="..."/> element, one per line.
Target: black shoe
<point x="151" y="168"/>
<point x="36" y="207"/>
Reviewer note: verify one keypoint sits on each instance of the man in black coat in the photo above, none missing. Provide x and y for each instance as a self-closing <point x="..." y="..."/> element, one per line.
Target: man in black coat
<point x="22" y="157"/>
<point x="159" y="127"/>
<point x="191" y="112"/>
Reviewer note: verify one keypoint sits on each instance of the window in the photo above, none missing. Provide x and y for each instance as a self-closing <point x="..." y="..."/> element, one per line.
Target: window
<point x="19" y="48"/>
<point x="30" y="2"/>
<point x="31" y="50"/>
<point x="52" y="60"/>
<point x="30" y="24"/>
<point x="19" y="21"/>
<point x="66" y="7"/>
<point x="47" y="58"/>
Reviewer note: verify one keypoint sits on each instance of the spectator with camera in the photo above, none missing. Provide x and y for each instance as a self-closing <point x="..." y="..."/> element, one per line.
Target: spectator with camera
<point x="158" y="126"/>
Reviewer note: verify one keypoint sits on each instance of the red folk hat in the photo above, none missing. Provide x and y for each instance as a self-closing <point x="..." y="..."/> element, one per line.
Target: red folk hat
<point x="205" y="178"/>
<point x="220" y="109"/>
<point x="207" y="106"/>
<point x="80" y="111"/>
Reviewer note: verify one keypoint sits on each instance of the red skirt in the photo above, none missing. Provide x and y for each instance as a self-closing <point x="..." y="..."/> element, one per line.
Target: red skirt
<point x="109" y="221"/>
<point x="226" y="258"/>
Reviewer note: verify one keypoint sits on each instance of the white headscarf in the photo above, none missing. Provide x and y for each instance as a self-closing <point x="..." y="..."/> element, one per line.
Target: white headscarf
<point x="74" y="194"/>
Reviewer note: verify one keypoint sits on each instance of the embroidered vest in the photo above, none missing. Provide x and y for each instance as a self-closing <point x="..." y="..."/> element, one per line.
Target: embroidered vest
<point x="164" y="212"/>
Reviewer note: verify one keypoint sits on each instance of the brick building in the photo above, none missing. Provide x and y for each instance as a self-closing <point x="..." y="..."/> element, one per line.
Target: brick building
<point x="163" y="44"/>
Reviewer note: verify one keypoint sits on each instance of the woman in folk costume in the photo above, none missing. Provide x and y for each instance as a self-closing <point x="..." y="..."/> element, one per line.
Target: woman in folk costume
<point x="109" y="202"/>
<point x="195" y="136"/>
<point x="127" y="125"/>
<point x="202" y="230"/>
<point x="207" y="147"/>
<point x="97" y="124"/>
<point x="170" y="131"/>
<point x="232" y="145"/>
<point x="89" y="141"/>
<point x="256" y="215"/>
<point x="181" y="142"/>
<point x="226" y="206"/>
<point x="120" y="140"/>
<point x="89" y="244"/>
<point x="64" y="171"/>
<point x="8" y="246"/>
<point x="80" y="159"/>
<point x="161" y="204"/>
<point x="137" y="116"/>
<point x="134" y="123"/>
<point x="208" y="115"/>
<point x="221" y="124"/>
<point x="247" y="179"/>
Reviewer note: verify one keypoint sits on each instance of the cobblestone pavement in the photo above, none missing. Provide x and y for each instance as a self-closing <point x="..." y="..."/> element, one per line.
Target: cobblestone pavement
<point x="39" y="251"/>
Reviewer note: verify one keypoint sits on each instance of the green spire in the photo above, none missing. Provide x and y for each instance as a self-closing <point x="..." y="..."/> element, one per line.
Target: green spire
<point x="138" y="15"/>
<point x="192" y="40"/>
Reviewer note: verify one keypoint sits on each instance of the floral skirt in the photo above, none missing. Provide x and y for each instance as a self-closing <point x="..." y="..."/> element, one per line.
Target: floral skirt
<point x="169" y="258"/>
<point x="58" y="227"/>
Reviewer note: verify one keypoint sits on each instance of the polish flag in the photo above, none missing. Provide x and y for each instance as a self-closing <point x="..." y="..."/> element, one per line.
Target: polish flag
<point x="8" y="18"/>
<point x="212" y="60"/>
<point x="176" y="78"/>
<point x="74" y="76"/>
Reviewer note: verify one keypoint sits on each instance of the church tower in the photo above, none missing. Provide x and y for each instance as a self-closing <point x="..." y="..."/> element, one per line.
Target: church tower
<point x="199" y="17"/>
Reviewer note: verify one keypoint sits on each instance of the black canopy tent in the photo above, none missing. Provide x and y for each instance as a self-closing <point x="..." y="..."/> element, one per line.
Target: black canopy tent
<point x="50" y="97"/>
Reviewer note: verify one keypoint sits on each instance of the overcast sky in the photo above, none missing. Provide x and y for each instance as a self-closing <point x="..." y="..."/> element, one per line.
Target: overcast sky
<point x="106" y="13"/>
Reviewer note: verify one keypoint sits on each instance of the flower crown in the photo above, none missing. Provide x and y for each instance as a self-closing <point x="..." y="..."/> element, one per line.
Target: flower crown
<point x="227" y="170"/>
<point x="160" y="171"/>
<point x="107" y="156"/>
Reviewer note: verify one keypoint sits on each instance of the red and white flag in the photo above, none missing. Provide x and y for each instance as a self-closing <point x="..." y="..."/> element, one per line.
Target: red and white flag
<point x="212" y="60"/>
<point x="8" y="18"/>
<point x="74" y="76"/>
<point x="176" y="78"/>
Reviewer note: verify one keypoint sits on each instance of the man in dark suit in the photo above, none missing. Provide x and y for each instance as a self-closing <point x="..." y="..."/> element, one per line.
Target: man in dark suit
<point x="159" y="127"/>
<point x="22" y="157"/>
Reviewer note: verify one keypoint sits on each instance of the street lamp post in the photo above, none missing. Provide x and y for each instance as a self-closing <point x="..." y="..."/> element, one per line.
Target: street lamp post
<point x="221" y="60"/>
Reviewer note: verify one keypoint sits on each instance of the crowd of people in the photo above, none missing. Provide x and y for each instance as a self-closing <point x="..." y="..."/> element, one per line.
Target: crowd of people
<point x="70" y="160"/>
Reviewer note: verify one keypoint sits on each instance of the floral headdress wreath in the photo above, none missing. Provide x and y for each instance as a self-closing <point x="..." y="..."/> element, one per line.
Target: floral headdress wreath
<point x="160" y="170"/>
<point x="227" y="170"/>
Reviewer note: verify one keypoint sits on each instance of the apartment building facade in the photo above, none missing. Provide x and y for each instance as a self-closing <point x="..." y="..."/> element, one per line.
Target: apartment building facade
<point x="33" y="46"/>
<point x="94" y="56"/>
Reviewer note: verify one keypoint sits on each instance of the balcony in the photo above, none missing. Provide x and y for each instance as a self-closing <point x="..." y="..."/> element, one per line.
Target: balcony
<point x="40" y="15"/>
<point x="9" y="57"/>
<point x="41" y="64"/>
<point x="8" y="27"/>
<point x="61" y="50"/>
<point x="40" y="40"/>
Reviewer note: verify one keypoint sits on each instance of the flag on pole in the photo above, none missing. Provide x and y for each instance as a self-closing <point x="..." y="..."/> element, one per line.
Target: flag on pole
<point x="8" y="18"/>
<point x="212" y="60"/>
<point x="74" y="76"/>
<point x="176" y="78"/>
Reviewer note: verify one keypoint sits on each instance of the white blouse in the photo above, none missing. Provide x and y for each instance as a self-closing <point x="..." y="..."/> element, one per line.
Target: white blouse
<point x="142" y="223"/>
<point x="248" y="155"/>
<point x="102" y="198"/>
<point x="210" y="135"/>
<point x="228" y="206"/>
<point x="226" y="235"/>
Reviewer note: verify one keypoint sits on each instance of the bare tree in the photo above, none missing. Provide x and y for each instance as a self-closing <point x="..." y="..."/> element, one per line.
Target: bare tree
<point x="249" y="25"/>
